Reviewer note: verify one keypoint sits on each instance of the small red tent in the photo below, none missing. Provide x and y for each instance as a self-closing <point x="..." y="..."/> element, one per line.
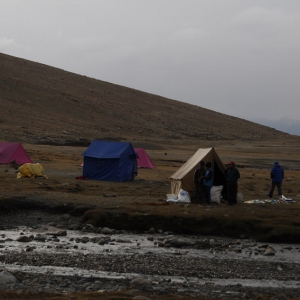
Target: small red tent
<point x="144" y="160"/>
<point x="13" y="152"/>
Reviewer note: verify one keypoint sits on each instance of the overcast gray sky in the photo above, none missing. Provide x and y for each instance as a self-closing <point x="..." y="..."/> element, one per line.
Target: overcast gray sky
<point x="238" y="57"/>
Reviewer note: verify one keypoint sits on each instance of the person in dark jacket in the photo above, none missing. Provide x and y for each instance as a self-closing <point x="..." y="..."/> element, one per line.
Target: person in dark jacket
<point x="198" y="182"/>
<point x="208" y="182"/>
<point x="232" y="175"/>
<point x="277" y="175"/>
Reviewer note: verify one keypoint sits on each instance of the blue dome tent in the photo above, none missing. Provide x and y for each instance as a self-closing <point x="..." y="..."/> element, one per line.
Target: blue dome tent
<point x="110" y="161"/>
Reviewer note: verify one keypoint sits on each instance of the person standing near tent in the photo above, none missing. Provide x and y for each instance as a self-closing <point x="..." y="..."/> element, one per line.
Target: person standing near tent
<point x="198" y="182"/>
<point x="232" y="175"/>
<point x="277" y="175"/>
<point x="208" y="182"/>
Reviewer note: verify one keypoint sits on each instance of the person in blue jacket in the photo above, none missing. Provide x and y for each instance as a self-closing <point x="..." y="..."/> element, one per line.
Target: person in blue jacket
<point x="277" y="175"/>
<point x="208" y="182"/>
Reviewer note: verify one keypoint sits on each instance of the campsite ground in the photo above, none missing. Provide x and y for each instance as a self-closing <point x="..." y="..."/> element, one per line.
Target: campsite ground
<point x="140" y="205"/>
<point x="80" y="109"/>
<point x="146" y="194"/>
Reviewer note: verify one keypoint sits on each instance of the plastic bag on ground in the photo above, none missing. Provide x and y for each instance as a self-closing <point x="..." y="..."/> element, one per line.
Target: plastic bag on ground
<point x="171" y="198"/>
<point x="183" y="196"/>
<point x="215" y="193"/>
<point x="239" y="197"/>
<point x="286" y="199"/>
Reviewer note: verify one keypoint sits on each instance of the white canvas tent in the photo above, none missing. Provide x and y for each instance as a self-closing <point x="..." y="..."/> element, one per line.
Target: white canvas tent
<point x="183" y="177"/>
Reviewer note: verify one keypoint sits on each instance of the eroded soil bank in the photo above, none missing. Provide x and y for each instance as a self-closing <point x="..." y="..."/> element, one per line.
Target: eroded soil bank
<point x="262" y="222"/>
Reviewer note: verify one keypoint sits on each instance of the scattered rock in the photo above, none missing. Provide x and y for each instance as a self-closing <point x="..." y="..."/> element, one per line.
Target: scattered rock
<point x="102" y="241"/>
<point x="106" y="230"/>
<point x="88" y="228"/>
<point x="151" y="230"/>
<point x="7" y="277"/>
<point x="141" y="284"/>
<point x="269" y="251"/>
<point x="288" y="247"/>
<point x="29" y="249"/>
<point x="123" y="241"/>
<point x="23" y="239"/>
<point x="39" y="238"/>
<point x="58" y="233"/>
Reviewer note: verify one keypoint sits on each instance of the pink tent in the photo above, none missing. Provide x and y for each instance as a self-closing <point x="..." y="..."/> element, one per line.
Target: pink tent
<point x="13" y="152"/>
<point x="143" y="161"/>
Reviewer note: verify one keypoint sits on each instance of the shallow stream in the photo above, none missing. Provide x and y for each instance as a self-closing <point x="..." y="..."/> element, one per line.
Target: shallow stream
<point x="127" y="245"/>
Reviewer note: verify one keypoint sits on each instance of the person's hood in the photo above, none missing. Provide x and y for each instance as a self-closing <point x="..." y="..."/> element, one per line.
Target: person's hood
<point x="276" y="164"/>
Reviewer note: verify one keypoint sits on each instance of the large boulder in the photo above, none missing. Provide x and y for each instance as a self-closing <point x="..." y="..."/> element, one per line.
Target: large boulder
<point x="7" y="278"/>
<point x="23" y="239"/>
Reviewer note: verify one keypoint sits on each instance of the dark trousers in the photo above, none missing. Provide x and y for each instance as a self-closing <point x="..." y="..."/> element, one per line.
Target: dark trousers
<point x="231" y="193"/>
<point x="274" y="184"/>
<point x="199" y="193"/>
<point x="207" y="193"/>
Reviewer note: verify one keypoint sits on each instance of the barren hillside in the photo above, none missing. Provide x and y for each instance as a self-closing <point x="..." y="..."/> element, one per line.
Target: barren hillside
<point x="46" y="105"/>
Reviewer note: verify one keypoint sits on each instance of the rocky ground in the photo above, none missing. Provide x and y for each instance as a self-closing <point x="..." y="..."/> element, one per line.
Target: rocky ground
<point x="139" y="265"/>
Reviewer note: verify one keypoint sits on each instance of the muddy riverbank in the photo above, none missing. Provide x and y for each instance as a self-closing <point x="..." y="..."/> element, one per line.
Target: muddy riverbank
<point x="59" y="256"/>
<point x="263" y="222"/>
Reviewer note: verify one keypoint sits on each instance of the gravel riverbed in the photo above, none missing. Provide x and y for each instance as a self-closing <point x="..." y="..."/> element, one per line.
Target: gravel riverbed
<point x="44" y="252"/>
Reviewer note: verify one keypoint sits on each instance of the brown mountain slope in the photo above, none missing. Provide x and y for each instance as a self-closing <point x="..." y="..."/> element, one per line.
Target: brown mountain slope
<point x="42" y="104"/>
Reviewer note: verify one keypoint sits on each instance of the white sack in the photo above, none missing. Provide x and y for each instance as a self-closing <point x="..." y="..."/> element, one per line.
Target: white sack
<point x="286" y="199"/>
<point x="183" y="196"/>
<point x="215" y="193"/>
<point x="239" y="197"/>
<point x="171" y="198"/>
